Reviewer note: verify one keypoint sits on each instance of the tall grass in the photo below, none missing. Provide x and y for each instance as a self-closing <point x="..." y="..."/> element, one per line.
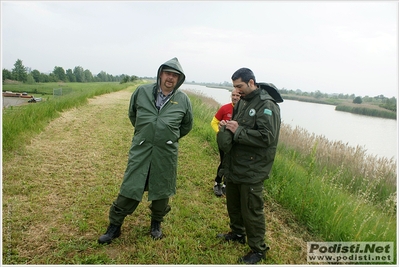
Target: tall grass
<point x="22" y="122"/>
<point x="203" y="114"/>
<point x="327" y="209"/>
<point x="370" y="177"/>
<point x="337" y="191"/>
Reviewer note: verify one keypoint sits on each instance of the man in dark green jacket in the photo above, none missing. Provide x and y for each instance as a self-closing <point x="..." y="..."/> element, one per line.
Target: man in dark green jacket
<point x="249" y="141"/>
<point x="161" y="115"/>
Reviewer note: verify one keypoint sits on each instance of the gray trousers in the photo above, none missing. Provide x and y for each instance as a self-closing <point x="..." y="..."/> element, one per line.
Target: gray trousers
<point x="245" y="207"/>
<point x="124" y="206"/>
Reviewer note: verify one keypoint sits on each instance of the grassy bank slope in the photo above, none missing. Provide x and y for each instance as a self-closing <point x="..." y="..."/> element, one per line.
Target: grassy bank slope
<point x="57" y="192"/>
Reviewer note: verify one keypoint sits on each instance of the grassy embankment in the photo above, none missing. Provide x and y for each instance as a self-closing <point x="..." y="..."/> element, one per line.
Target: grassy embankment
<point x="21" y="122"/>
<point x="57" y="190"/>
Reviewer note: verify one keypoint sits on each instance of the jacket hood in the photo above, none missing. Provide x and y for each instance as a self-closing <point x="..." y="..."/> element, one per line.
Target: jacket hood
<point x="272" y="91"/>
<point x="172" y="64"/>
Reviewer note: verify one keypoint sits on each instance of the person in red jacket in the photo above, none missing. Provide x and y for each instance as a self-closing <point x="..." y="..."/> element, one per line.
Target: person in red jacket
<point x="224" y="113"/>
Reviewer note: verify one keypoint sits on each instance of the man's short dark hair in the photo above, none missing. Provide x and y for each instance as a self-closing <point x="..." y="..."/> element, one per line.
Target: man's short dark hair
<point x="245" y="74"/>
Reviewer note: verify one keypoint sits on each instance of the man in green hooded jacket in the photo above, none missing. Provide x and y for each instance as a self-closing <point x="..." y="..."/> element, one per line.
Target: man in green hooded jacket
<point x="249" y="141"/>
<point x="161" y="115"/>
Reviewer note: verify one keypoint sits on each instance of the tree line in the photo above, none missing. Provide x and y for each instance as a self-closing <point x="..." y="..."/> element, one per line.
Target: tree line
<point x="78" y="74"/>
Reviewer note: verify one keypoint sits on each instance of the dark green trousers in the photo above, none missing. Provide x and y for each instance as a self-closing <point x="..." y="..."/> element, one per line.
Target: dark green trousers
<point x="245" y="207"/>
<point x="124" y="206"/>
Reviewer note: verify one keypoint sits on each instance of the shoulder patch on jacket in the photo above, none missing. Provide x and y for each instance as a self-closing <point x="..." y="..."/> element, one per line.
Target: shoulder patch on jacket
<point x="267" y="111"/>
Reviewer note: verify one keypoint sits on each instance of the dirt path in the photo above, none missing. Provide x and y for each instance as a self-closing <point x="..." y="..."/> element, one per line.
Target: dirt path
<point x="57" y="193"/>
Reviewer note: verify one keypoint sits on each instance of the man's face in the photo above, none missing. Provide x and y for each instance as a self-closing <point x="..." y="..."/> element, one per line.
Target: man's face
<point x="235" y="96"/>
<point x="169" y="80"/>
<point x="242" y="87"/>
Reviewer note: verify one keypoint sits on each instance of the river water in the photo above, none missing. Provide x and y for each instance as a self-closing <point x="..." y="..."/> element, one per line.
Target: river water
<point x="377" y="135"/>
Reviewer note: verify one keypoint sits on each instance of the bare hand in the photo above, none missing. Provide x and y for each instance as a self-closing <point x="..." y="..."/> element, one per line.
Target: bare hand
<point x="222" y="123"/>
<point x="232" y="126"/>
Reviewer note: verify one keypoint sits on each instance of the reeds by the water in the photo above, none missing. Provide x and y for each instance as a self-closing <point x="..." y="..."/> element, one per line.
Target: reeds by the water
<point x="339" y="192"/>
<point x="364" y="110"/>
<point x="368" y="176"/>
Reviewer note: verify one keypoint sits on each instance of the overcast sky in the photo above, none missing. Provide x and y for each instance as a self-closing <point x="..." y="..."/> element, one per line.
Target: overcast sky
<point x="330" y="46"/>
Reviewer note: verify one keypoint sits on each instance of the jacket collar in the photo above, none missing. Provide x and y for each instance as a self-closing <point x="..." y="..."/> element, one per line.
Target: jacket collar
<point x="251" y="95"/>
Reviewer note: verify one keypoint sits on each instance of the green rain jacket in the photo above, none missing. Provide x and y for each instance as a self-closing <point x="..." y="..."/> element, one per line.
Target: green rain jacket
<point x="250" y="151"/>
<point x="155" y="143"/>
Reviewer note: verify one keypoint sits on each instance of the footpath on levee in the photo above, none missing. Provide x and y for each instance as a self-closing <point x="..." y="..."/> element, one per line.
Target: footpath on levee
<point x="58" y="191"/>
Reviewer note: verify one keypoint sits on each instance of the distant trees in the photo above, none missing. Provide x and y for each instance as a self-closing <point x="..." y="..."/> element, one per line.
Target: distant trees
<point x="389" y="103"/>
<point x="59" y="74"/>
<point x="19" y="72"/>
<point x="36" y="75"/>
<point x="7" y="75"/>
<point x="357" y="100"/>
<point x="102" y="76"/>
<point x="381" y="100"/>
<point x="71" y="77"/>
<point x="128" y="78"/>
<point x="78" y="74"/>
<point x="88" y="76"/>
<point x="318" y="94"/>
<point x="30" y="79"/>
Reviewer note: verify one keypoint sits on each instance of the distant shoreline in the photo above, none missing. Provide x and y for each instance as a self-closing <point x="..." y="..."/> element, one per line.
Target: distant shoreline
<point x="340" y="105"/>
<point x="347" y="106"/>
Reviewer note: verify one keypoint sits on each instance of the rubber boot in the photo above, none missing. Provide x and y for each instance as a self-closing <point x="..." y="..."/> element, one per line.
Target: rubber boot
<point x="156" y="231"/>
<point x="113" y="231"/>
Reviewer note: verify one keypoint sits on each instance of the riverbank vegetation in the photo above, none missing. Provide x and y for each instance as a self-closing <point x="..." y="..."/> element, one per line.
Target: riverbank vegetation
<point x="378" y="106"/>
<point x="317" y="179"/>
<point x="368" y="110"/>
<point x="58" y="186"/>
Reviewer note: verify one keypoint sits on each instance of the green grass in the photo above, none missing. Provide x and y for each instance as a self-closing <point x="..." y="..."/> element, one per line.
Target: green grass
<point x="325" y="208"/>
<point x="22" y="122"/>
<point x="57" y="191"/>
<point x="46" y="89"/>
<point x="368" y="177"/>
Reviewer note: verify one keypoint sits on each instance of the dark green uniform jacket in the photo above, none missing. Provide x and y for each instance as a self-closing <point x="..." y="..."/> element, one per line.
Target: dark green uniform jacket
<point x="251" y="150"/>
<point x="154" y="148"/>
